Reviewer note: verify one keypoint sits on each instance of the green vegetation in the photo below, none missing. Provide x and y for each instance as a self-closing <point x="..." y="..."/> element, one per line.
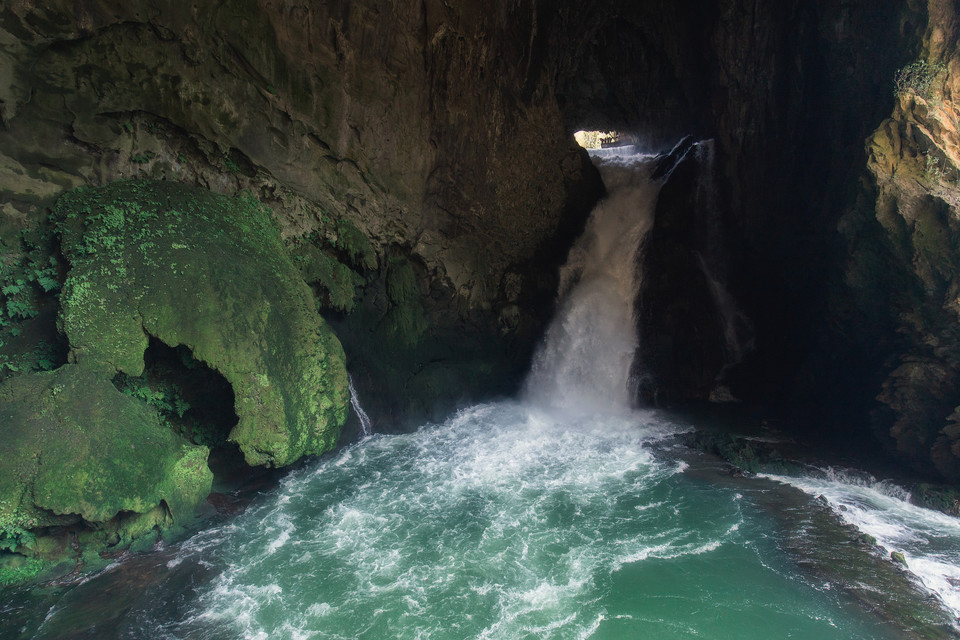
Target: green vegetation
<point x="189" y="398"/>
<point x="16" y="568"/>
<point x="168" y="399"/>
<point x="156" y="263"/>
<point x="405" y="321"/>
<point x="194" y="268"/>
<point x="28" y="283"/>
<point x="356" y="245"/>
<point x="337" y="283"/>
<point x="334" y="266"/>
<point x="24" y="282"/>
<point x="918" y="77"/>
<point x="44" y="356"/>
<point x="338" y="279"/>
<point x="143" y="158"/>
<point x="75" y="445"/>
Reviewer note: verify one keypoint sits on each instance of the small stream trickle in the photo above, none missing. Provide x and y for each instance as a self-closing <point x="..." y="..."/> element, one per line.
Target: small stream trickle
<point x="366" y="427"/>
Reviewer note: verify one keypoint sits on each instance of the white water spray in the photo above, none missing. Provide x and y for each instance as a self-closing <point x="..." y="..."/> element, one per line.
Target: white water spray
<point x="584" y="363"/>
<point x="366" y="428"/>
<point x="928" y="540"/>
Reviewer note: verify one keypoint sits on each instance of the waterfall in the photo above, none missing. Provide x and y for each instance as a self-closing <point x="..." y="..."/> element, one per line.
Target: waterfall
<point x="736" y="325"/>
<point x="737" y="328"/>
<point x="583" y="365"/>
<point x="366" y="428"/>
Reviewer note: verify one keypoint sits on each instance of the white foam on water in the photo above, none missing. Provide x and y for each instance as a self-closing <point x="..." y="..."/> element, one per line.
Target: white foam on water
<point x="285" y="527"/>
<point x="502" y="511"/>
<point x="929" y="540"/>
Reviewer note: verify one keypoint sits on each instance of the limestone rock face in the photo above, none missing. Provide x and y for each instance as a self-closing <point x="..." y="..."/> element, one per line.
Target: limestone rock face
<point x="691" y="330"/>
<point x="429" y="130"/>
<point x="787" y="91"/>
<point x="914" y="229"/>
<point x="417" y="157"/>
<point x="423" y="124"/>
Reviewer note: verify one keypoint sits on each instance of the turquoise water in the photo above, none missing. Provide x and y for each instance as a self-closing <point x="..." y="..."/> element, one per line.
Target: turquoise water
<point x="504" y="522"/>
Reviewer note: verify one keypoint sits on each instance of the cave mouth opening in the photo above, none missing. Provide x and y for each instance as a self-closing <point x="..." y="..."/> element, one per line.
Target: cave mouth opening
<point x="193" y="399"/>
<point x="592" y="140"/>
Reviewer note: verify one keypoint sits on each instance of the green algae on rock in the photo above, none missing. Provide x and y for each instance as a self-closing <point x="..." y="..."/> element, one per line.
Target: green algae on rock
<point x="77" y="447"/>
<point x="209" y="272"/>
<point x="404" y="323"/>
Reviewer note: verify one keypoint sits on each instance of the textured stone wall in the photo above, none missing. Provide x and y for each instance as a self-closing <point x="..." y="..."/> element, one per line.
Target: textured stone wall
<point x="902" y="269"/>
<point x="426" y="125"/>
<point x="424" y="132"/>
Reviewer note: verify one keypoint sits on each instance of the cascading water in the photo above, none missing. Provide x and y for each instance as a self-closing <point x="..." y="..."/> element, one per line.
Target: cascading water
<point x="928" y="540"/>
<point x="366" y="428"/>
<point x="737" y="329"/>
<point x="584" y="363"/>
<point x="564" y="516"/>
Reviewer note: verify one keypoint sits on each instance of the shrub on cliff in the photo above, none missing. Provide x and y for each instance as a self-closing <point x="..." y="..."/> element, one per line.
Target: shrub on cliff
<point x="919" y="77"/>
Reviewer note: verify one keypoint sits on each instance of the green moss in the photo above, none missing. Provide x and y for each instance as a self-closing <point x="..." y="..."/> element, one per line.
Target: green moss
<point x="167" y="398"/>
<point x="143" y="158"/>
<point x="355" y="244"/>
<point x="28" y="284"/>
<point x="78" y="447"/>
<point x="194" y="268"/>
<point x="337" y="282"/>
<point x="15" y="568"/>
<point x="330" y="261"/>
<point x="405" y="321"/>
<point x="402" y="282"/>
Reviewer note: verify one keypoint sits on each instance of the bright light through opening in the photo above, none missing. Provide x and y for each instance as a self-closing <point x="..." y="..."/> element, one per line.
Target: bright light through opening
<point x="598" y="139"/>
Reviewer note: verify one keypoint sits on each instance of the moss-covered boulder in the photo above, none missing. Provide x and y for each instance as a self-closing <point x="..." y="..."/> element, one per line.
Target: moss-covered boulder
<point x="75" y="446"/>
<point x="194" y="268"/>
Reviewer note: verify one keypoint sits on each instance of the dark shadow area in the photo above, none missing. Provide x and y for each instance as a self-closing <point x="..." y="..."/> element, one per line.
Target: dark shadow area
<point x="195" y="400"/>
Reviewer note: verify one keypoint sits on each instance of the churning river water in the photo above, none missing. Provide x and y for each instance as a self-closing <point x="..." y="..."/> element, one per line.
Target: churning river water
<point x="565" y="514"/>
<point x="505" y="522"/>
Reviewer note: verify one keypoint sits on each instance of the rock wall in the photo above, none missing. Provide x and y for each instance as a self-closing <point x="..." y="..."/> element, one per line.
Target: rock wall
<point x="841" y="259"/>
<point x="903" y="258"/>
<point x="424" y="132"/>
<point x="787" y="92"/>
